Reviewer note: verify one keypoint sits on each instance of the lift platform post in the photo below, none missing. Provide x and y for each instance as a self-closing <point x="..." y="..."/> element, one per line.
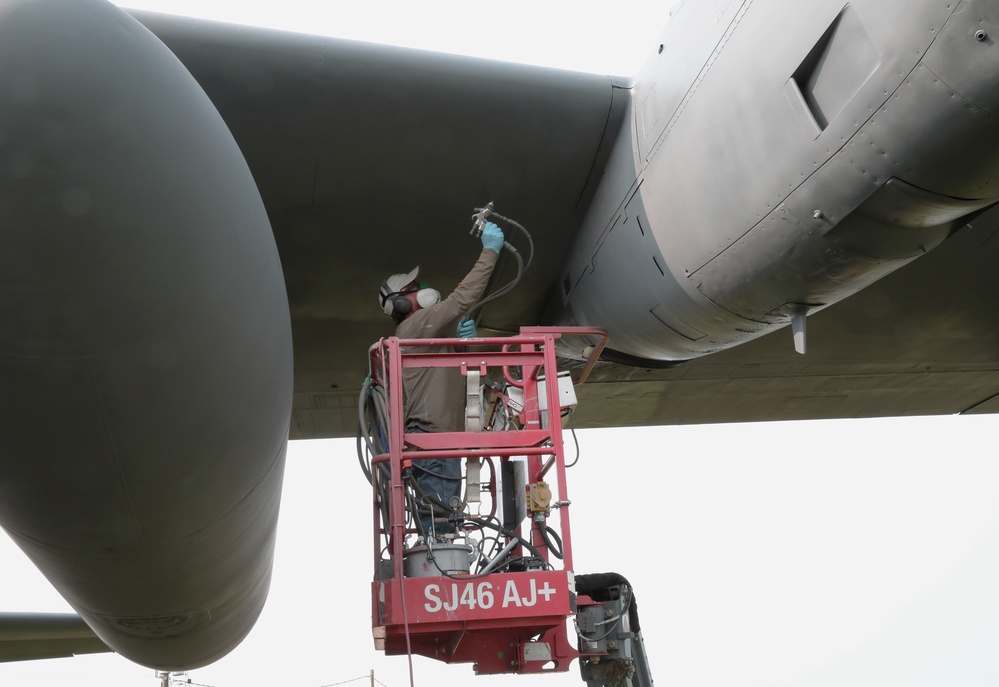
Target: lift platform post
<point x="500" y="592"/>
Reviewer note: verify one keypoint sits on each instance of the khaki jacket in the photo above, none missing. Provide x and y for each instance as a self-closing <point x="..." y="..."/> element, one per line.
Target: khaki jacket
<point x="435" y="397"/>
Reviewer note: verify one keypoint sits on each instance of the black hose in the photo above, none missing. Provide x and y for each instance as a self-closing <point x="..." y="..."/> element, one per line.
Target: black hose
<point x="502" y="291"/>
<point x="522" y="267"/>
<point x="372" y="426"/>
<point x="574" y="439"/>
<point x="520" y="227"/>
<point x="545" y="532"/>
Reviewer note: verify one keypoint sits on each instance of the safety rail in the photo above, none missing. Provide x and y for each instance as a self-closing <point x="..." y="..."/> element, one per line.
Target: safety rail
<point x="505" y="608"/>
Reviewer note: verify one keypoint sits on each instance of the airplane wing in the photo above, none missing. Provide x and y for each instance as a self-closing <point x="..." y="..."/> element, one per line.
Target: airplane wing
<point x="774" y="160"/>
<point x="370" y="159"/>
<point x="29" y="636"/>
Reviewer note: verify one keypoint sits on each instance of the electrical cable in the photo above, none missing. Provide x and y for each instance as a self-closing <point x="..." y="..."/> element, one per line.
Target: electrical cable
<point x="544" y="532"/>
<point x="509" y="534"/>
<point x="484" y="558"/>
<point x="615" y="620"/>
<point x="574" y="439"/>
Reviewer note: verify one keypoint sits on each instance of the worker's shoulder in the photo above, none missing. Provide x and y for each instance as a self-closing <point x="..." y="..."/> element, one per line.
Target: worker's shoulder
<point x="426" y="323"/>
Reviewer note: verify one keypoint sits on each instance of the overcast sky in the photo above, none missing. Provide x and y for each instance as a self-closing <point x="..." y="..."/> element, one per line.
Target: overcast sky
<point x="790" y="554"/>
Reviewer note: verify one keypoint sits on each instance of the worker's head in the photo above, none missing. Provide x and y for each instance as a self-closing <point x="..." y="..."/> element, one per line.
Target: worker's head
<point x="400" y="295"/>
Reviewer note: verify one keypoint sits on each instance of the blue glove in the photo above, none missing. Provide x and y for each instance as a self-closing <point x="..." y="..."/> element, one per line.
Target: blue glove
<point x="466" y="328"/>
<point x="492" y="237"/>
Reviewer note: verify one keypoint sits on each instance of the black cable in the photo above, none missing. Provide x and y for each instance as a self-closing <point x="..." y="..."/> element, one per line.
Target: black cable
<point x="429" y="499"/>
<point x="414" y="509"/>
<point x="545" y="531"/>
<point x="371" y="434"/>
<point x="484" y="558"/>
<point x="574" y="439"/>
<point x="508" y="534"/>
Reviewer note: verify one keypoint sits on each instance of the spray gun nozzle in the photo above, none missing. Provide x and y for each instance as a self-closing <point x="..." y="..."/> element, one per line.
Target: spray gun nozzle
<point x="479" y="219"/>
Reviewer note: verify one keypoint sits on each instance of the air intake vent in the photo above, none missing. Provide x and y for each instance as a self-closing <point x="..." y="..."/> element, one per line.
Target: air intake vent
<point x="838" y="65"/>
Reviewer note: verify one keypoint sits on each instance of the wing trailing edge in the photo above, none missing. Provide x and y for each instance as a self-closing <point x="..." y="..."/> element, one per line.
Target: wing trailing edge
<point x="31" y="636"/>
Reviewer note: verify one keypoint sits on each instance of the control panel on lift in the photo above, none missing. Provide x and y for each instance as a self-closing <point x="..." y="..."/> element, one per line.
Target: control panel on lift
<point x="482" y="571"/>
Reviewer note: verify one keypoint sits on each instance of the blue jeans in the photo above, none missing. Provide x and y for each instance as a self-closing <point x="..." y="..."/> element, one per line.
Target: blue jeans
<point x="439" y="478"/>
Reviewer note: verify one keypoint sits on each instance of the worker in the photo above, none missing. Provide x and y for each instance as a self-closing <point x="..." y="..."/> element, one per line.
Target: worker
<point x="435" y="397"/>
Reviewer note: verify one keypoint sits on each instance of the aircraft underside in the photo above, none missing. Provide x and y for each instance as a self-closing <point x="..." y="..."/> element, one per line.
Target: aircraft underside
<point x="198" y="216"/>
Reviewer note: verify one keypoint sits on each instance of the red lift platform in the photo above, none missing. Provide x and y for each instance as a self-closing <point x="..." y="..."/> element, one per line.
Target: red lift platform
<point x="500" y="590"/>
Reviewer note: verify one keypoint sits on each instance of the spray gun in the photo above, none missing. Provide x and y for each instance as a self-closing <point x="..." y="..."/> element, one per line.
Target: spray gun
<point x="487" y="214"/>
<point x="480" y="218"/>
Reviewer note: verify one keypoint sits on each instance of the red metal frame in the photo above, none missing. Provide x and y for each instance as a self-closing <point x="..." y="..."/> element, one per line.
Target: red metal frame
<point x="504" y="622"/>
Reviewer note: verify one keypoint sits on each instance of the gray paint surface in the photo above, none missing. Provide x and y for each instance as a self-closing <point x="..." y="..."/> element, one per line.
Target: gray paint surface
<point x="772" y="157"/>
<point x="146" y="351"/>
<point x="702" y="147"/>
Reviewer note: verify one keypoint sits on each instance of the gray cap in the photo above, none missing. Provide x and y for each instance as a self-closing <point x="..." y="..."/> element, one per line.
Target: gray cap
<point x="394" y="284"/>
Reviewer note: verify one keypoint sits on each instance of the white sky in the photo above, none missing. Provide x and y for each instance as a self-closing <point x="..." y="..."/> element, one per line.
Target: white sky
<point x="763" y="555"/>
<point x="611" y="38"/>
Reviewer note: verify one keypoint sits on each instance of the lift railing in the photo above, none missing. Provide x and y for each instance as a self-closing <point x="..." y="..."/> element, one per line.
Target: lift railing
<point x="499" y="592"/>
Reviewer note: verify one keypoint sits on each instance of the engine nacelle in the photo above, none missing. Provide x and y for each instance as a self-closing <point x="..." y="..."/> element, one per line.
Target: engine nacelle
<point x="780" y="157"/>
<point x="146" y="352"/>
